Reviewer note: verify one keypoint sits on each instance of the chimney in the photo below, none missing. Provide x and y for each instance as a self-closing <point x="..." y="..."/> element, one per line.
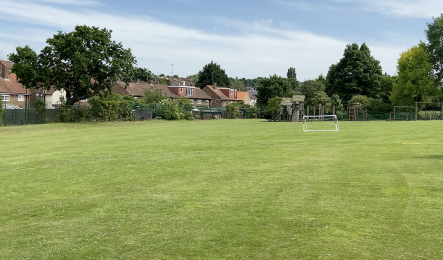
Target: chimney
<point x="3" y="70"/>
<point x="214" y="85"/>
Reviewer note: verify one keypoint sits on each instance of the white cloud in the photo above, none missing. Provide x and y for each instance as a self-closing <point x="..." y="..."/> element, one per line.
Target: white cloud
<point x="257" y="48"/>
<point x="401" y="8"/>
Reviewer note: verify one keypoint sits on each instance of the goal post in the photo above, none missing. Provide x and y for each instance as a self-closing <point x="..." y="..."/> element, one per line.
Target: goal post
<point x="322" y="123"/>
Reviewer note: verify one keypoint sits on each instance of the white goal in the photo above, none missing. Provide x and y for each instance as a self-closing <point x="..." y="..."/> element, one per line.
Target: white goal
<point x="321" y="123"/>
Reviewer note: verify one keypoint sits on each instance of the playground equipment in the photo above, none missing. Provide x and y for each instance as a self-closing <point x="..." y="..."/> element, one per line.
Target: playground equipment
<point x="290" y="109"/>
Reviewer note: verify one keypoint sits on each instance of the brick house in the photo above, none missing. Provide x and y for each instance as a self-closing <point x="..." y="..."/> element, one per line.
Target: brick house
<point x="12" y="94"/>
<point x="219" y="99"/>
<point x="197" y="96"/>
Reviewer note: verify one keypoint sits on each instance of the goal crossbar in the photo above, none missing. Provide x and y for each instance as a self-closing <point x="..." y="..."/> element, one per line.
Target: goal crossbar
<point x="320" y="119"/>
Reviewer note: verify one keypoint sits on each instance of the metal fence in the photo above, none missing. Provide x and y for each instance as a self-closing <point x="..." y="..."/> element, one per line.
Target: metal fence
<point x="17" y="117"/>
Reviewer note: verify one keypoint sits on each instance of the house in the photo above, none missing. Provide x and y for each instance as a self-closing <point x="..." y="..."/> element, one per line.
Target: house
<point x="12" y="94"/>
<point x="181" y="82"/>
<point x="137" y="89"/>
<point x="219" y="99"/>
<point x="244" y="96"/>
<point x="197" y="96"/>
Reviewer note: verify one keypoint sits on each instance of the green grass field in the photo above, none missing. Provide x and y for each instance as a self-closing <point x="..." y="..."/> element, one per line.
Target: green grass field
<point x="228" y="189"/>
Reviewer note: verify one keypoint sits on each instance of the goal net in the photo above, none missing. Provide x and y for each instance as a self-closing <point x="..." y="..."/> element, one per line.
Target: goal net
<point x="321" y="123"/>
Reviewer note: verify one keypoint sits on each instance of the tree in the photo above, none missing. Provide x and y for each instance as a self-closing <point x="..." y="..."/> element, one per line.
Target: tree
<point x="309" y="88"/>
<point x="211" y="73"/>
<point x="163" y="81"/>
<point x="435" y="46"/>
<point x="321" y="98"/>
<point x="274" y="86"/>
<point x="291" y="73"/>
<point x="336" y="101"/>
<point x="152" y="96"/>
<point x="363" y="101"/>
<point x="357" y="73"/>
<point x="273" y="105"/>
<point x="237" y="84"/>
<point x="292" y="79"/>
<point x="143" y="74"/>
<point x="84" y="63"/>
<point x="415" y="81"/>
<point x="386" y="86"/>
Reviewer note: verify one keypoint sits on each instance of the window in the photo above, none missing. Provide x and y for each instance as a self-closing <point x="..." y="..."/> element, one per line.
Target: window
<point x="216" y="101"/>
<point x="232" y="92"/>
<point x="5" y="97"/>
<point x="207" y="102"/>
<point x="21" y="98"/>
<point x="62" y="98"/>
<point x="181" y="90"/>
<point x="199" y="102"/>
<point x="190" y="92"/>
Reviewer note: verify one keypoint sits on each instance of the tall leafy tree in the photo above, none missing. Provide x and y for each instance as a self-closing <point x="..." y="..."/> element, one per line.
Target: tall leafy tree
<point x="309" y="88"/>
<point x="357" y="73"/>
<point x="415" y="81"/>
<point x="274" y="86"/>
<point x="212" y="72"/>
<point x="435" y="46"/>
<point x="291" y="73"/>
<point x="143" y="74"/>
<point x="84" y="63"/>
<point x="292" y="79"/>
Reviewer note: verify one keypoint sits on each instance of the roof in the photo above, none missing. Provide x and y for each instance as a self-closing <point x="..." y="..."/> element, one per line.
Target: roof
<point x="7" y="63"/>
<point x="200" y="94"/>
<point x="219" y="93"/>
<point x="138" y="89"/>
<point x="11" y="86"/>
<point x="242" y="94"/>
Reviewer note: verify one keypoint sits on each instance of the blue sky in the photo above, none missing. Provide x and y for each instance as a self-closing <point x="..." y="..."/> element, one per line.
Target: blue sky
<point x="247" y="38"/>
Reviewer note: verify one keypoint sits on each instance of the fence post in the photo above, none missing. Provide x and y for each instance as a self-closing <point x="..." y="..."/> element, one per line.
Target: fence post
<point x="416" y="111"/>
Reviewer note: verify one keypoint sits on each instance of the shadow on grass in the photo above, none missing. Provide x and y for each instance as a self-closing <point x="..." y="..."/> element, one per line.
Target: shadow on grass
<point x="434" y="157"/>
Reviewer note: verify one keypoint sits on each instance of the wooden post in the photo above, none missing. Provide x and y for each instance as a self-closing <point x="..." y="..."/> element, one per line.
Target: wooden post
<point x="333" y="110"/>
<point x="390" y="118"/>
<point x="307" y="111"/>
<point x="394" y="113"/>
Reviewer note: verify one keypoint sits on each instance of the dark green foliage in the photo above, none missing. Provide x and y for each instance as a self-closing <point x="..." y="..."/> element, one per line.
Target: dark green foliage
<point x="273" y="105"/>
<point x="309" y="88"/>
<point x="143" y="74"/>
<point x="435" y="46"/>
<point x="84" y="62"/>
<point x="291" y="74"/>
<point x="363" y="101"/>
<point x="357" y="73"/>
<point x="112" y="107"/>
<point x="237" y="84"/>
<point x="274" y="86"/>
<point x="164" y="81"/>
<point x="378" y="106"/>
<point x="152" y="96"/>
<point x="1" y="114"/>
<point x="40" y="106"/>
<point x="321" y="98"/>
<point x="336" y="101"/>
<point x="173" y="109"/>
<point x="386" y="86"/>
<point x="211" y="73"/>
<point x="233" y="110"/>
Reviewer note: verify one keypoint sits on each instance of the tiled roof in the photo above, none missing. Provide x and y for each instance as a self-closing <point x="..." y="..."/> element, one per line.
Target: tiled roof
<point x="219" y="93"/>
<point x="138" y="89"/>
<point x="11" y="86"/>
<point x="200" y="94"/>
<point x="241" y="95"/>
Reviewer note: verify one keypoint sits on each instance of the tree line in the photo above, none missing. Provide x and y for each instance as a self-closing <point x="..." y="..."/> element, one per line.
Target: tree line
<point x="86" y="62"/>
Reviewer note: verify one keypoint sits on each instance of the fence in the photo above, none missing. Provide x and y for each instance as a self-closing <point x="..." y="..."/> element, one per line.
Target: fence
<point x="17" y="117"/>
